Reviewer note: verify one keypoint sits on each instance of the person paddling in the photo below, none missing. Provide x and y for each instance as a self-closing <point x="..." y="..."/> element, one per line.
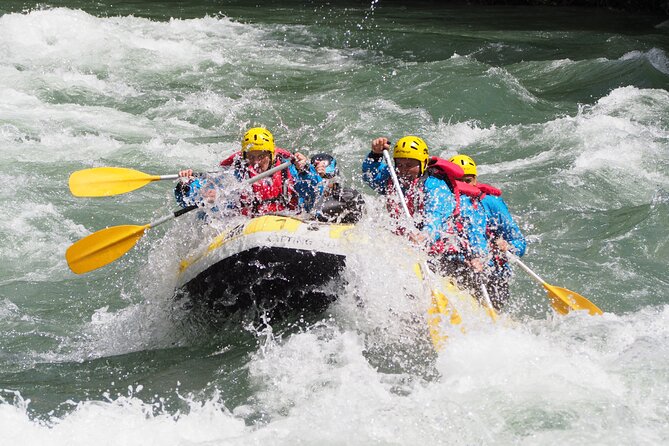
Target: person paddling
<point x="292" y="189"/>
<point x="434" y="202"/>
<point x="336" y="203"/>
<point x="427" y="200"/>
<point x="503" y="232"/>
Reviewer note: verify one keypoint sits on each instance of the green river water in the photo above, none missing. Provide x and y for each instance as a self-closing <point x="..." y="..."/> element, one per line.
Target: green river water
<point x="566" y="110"/>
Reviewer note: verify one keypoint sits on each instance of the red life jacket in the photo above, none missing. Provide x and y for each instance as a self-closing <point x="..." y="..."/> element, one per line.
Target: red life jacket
<point x="445" y="168"/>
<point x="270" y="195"/>
<point x="448" y="172"/>
<point x="489" y="190"/>
<point x="455" y="240"/>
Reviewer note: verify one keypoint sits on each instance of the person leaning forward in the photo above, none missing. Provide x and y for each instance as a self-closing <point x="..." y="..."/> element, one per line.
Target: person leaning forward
<point x="292" y="189"/>
<point x="432" y="199"/>
<point x="335" y="203"/>
<point x="503" y="232"/>
<point x="427" y="197"/>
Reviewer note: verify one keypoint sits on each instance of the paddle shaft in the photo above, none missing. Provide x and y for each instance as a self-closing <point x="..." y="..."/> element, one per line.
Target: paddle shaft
<point x="260" y="176"/>
<point x="486" y="296"/>
<point x="107" y="245"/>
<point x="267" y="173"/>
<point x="396" y="183"/>
<point x="175" y="214"/>
<point x="562" y="299"/>
<point x="108" y="181"/>
<point x="514" y="258"/>
<point x="187" y="209"/>
<point x="246" y="182"/>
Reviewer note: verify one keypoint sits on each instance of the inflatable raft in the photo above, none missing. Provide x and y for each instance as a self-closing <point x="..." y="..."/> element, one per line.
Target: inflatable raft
<point x="281" y="267"/>
<point x="269" y="264"/>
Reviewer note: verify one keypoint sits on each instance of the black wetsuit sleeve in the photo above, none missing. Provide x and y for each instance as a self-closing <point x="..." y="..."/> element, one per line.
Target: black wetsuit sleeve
<point x="181" y="191"/>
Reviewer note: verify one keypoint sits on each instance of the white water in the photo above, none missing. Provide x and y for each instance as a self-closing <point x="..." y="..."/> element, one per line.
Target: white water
<point x="535" y="383"/>
<point x="540" y="380"/>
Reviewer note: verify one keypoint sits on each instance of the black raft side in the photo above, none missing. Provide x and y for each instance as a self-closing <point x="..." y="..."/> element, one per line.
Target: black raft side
<point x="277" y="280"/>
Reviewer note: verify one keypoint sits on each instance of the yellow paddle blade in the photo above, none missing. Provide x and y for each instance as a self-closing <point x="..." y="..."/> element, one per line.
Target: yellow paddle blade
<point x="490" y="311"/>
<point x="102" y="247"/>
<point x="440" y="308"/>
<point x="564" y="300"/>
<point x="107" y="181"/>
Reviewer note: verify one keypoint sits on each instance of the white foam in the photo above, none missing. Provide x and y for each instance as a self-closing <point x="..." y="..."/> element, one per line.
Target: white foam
<point x="621" y="137"/>
<point x="541" y="380"/>
<point x="44" y="52"/>
<point x="125" y="420"/>
<point x="622" y="132"/>
<point x="655" y="56"/>
<point x="52" y="37"/>
<point x="452" y="137"/>
<point x="38" y="235"/>
<point x="511" y="83"/>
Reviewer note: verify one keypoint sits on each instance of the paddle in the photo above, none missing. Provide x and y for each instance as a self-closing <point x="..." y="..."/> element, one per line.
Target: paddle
<point x="105" y="246"/>
<point x="108" y="181"/>
<point x="490" y="309"/>
<point x="562" y="299"/>
<point x="440" y="303"/>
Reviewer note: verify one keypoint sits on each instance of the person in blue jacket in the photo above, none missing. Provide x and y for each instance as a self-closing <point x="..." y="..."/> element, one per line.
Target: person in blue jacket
<point x="335" y="203"/>
<point x="293" y="189"/>
<point x="447" y="224"/>
<point x="503" y="232"/>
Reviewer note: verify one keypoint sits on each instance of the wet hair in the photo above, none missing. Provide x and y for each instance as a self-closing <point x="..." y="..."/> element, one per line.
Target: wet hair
<point x="331" y="170"/>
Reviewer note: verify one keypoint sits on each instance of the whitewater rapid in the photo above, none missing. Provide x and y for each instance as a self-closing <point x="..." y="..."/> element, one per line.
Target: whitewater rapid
<point x="570" y="123"/>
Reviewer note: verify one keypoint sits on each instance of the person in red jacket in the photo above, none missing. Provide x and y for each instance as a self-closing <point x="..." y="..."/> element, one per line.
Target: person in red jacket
<point x="291" y="189"/>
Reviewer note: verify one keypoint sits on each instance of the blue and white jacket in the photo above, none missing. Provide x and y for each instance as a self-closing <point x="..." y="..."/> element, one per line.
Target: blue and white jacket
<point x="438" y="208"/>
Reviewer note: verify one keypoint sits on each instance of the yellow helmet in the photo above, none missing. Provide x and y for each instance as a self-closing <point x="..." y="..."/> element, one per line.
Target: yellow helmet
<point x="467" y="164"/>
<point x="258" y="139"/>
<point x="414" y="148"/>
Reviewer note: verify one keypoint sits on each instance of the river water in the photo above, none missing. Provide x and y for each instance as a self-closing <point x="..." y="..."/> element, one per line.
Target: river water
<point x="566" y="110"/>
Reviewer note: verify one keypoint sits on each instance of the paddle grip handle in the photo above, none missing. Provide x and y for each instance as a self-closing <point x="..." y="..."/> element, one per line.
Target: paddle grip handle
<point x="184" y="210"/>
